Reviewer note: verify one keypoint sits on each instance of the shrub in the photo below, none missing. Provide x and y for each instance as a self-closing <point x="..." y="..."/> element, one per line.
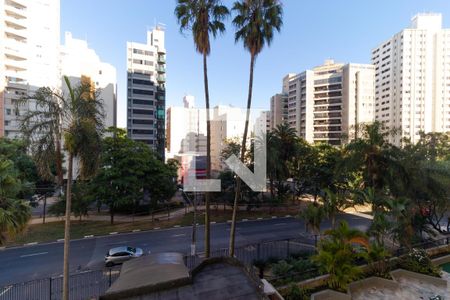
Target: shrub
<point x="294" y="292"/>
<point x="418" y="261"/>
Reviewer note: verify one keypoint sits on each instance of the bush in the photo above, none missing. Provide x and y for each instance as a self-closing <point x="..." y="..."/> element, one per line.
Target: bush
<point x="293" y="270"/>
<point x="294" y="292"/>
<point x="418" y="261"/>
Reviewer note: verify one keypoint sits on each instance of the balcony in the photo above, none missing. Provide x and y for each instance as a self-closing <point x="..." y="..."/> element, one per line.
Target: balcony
<point x="161" y="59"/>
<point x="16" y="34"/>
<point x="14" y="22"/>
<point x="16" y="65"/>
<point x="160" y="69"/>
<point x="14" y="53"/>
<point x="15" y="11"/>
<point x="161" y="78"/>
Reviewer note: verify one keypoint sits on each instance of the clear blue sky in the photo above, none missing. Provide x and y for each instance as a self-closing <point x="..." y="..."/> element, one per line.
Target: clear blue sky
<point x="313" y="30"/>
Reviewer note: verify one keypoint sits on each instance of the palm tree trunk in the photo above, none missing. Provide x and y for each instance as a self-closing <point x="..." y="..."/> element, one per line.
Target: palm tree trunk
<point x="208" y="157"/>
<point x="244" y="140"/>
<point x="59" y="169"/>
<point x="67" y="229"/>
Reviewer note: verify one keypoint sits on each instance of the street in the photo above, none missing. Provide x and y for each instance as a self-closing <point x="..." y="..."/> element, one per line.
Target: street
<point x="39" y="261"/>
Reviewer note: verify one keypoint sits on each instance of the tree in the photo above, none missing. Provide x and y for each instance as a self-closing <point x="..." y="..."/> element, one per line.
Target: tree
<point x="83" y="125"/>
<point x="313" y="215"/>
<point x="333" y="203"/>
<point x="14" y="213"/>
<point x="81" y="200"/>
<point x="203" y="18"/>
<point x="42" y="128"/>
<point x="255" y="22"/>
<point x="338" y="254"/>
<point x="128" y="170"/>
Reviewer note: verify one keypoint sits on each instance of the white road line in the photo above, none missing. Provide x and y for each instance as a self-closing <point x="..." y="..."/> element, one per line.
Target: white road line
<point x="279" y="224"/>
<point x="123" y="242"/>
<point x="6" y="290"/>
<point x="33" y="254"/>
<point x="178" y="235"/>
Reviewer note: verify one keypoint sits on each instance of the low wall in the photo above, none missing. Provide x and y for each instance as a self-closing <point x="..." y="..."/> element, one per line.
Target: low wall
<point x="330" y="295"/>
<point x="441" y="260"/>
<point x="376" y="282"/>
<point x="400" y="273"/>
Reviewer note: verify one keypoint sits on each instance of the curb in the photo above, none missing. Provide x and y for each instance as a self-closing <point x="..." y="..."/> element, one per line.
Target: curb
<point x="132" y="231"/>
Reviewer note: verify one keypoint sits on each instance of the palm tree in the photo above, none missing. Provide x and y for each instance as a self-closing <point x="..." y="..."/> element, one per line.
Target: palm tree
<point x="14" y="213"/>
<point x="313" y="215"/>
<point x="337" y="255"/>
<point x="83" y="126"/>
<point x="203" y="18"/>
<point x="333" y="203"/>
<point x="42" y="128"/>
<point x="255" y="22"/>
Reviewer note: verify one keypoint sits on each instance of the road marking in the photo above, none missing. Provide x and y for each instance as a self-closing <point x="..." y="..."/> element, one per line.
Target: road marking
<point x="34" y="254"/>
<point x="280" y="224"/>
<point x="121" y="242"/>
<point x="6" y="290"/>
<point x="178" y="235"/>
<point x="88" y="236"/>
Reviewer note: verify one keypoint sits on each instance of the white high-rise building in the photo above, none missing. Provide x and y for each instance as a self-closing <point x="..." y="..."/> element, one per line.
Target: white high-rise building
<point x="326" y="103"/>
<point x="278" y="110"/>
<point x="262" y="122"/>
<point x="146" y="109"/>
<point x="79" y="62"/>
<point x="29" y="51"/>
<point x="413" y="79"/>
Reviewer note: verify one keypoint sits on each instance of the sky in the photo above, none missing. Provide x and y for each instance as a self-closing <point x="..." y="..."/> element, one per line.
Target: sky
<point x="313" y="30"/>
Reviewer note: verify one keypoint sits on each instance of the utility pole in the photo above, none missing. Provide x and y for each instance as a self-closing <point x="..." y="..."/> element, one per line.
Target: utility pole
<point x="194" y="226"/>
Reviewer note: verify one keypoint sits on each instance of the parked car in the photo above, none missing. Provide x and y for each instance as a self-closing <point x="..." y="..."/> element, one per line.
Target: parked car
<point x="119" y="255"/>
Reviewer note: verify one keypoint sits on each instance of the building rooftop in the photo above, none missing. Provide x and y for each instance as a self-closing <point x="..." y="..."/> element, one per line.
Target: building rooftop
<point x="164" y="276"/>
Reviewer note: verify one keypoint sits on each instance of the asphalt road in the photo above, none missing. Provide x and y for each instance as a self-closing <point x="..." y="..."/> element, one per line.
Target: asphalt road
<point x="44" y="260"/>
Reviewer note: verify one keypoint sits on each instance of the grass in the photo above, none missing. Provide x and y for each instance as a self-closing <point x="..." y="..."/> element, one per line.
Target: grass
<point x="50" y="232"/>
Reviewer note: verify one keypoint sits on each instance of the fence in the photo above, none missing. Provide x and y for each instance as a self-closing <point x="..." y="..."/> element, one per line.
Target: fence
<point x="248" y="254"/>
<point x="84" y="285"/>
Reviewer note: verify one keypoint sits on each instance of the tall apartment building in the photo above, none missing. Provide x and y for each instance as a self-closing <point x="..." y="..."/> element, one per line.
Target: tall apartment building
<point x="186" y="137"/>
<point x="227" y="123"/>
<point x="413" y="79"/>
<point x="278" y="110"/>
<point x="186" y="129"/>
<point x="263" y="121"/>
<point x="326" y="103"/>
<point x="79" y="61"/>
<point x="146" y="90"/>
<point x="29" y="51"/>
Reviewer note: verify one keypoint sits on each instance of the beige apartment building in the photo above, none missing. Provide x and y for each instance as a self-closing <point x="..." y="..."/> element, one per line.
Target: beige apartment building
<point x="29" y="51"/>
<point x="326" y="103"/>
<point x="278" y="110"/>
<point x="412" y="85"/>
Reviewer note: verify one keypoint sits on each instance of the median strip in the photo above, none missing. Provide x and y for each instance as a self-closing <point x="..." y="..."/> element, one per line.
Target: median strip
<point x="88" y="236"/>
<point x="274" y="217"/>
<point x="176" y="226"/>
<point x="136" y="230"/>
<point x="31" y="244"/>
<point x="259" y="218"/>
<point x="60" y="240"/>
<point x="156" y="228"/>
<point x="113" y="233"/>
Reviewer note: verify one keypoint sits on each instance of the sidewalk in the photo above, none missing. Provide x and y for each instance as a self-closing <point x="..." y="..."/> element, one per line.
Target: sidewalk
<point x="118" y="218"/>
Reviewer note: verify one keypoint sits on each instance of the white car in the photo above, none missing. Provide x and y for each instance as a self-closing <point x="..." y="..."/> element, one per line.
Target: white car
<point x="119" y="255"/>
